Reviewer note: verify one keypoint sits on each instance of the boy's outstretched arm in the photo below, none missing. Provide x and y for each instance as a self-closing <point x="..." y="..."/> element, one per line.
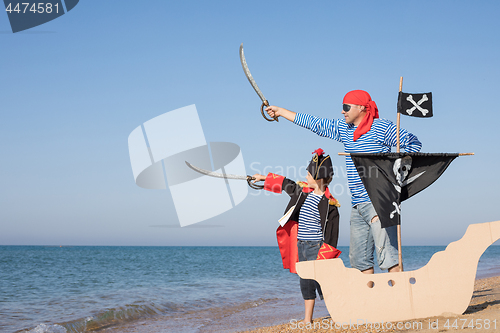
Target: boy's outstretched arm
<point x="276" y="183"/>
<point x="276" y="111"/>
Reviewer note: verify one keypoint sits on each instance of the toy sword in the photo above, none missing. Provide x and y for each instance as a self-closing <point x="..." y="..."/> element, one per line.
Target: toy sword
<point x="226" y="176"/>
<point x="254" y="85"/>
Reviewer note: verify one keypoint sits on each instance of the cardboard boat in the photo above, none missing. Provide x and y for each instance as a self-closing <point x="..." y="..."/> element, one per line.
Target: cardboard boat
<point x="443" y="286"/>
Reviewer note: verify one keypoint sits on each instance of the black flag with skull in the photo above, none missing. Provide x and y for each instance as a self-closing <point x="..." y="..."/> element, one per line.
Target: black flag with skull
<point x="391" y="178"/>
<point x="415" y="105"/>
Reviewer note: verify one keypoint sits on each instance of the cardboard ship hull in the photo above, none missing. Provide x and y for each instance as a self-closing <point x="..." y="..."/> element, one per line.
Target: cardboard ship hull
<point x="443" y="286"/>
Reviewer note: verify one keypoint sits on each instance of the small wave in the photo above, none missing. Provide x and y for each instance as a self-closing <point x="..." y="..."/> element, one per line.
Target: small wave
<point x="133" y="312"/>
<point x="118" y="316"/>
<point x="43" y="328"/>
<point x="106" y="318"/>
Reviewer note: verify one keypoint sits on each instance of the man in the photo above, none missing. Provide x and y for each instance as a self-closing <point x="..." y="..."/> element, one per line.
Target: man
<point x="361" y="131"/>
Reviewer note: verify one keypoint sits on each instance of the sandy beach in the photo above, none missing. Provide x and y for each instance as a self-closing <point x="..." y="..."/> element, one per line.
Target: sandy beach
<point x="482" y="315"/>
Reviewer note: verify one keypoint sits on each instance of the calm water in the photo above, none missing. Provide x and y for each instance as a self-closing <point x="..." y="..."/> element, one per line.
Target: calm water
<point x="192" y="289"/>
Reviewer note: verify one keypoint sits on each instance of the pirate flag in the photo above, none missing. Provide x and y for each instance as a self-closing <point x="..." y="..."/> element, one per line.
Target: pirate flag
<point x="391" y="178"/>
<point x="415" y="105"/>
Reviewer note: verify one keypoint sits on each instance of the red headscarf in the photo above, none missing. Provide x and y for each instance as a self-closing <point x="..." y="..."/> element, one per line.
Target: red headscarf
<point x="361" y="97"/>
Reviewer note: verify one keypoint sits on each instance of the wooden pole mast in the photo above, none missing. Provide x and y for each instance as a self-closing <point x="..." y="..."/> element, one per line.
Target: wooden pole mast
<point x="397" y="149"/>
<point x="399" y="115"/>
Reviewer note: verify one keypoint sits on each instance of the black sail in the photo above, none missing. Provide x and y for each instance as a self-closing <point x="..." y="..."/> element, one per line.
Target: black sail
<point x="391" y="178"/>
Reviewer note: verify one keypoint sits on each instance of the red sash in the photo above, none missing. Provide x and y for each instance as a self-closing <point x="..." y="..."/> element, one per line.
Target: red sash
<point x="328" y="252"/>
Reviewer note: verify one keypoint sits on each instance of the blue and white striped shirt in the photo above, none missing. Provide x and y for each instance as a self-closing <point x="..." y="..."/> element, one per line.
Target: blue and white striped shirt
<point x="309" y="219"/>
<point x="379" y="139"/>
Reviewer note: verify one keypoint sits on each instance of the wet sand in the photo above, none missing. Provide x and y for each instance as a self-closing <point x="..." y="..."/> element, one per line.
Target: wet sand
<point x="482" y="315"/>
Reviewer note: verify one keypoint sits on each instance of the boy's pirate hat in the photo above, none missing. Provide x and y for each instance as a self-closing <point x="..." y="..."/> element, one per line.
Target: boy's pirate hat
<point x="320" y="165"/>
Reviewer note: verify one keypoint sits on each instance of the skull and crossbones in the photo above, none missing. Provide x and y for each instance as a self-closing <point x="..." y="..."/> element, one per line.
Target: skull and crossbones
<point x="397" y="210"/>
<point x="416" y="105"/>
<point x="401" y="169"/>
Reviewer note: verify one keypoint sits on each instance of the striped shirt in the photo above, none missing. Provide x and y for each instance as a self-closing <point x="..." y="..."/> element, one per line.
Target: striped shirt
<point x="379" y="139"/>
<point x="309" y="220"/>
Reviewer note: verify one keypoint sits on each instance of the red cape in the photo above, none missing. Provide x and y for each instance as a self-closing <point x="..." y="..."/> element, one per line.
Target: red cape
<point x="287" y="242"/>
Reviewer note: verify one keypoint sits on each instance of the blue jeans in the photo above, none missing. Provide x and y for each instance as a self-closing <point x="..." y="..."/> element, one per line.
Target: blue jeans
<point x="367" y="236"/>
<point x="308" y="250"/>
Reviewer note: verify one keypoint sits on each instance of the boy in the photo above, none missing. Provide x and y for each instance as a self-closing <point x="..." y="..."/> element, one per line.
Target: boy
<point x="315" y="212"/>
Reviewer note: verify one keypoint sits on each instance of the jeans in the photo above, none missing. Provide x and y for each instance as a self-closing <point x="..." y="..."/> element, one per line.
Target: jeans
<point x="367" y="236"/>
<point x="308" y="250"/>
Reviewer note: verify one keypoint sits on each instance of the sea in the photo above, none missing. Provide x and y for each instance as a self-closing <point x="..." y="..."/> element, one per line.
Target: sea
<point x="56" y="289"/>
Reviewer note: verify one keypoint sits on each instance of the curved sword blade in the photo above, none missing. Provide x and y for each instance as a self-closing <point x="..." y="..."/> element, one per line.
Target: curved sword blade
<point x="215" y="174"/>
<point x="249" y="75"/>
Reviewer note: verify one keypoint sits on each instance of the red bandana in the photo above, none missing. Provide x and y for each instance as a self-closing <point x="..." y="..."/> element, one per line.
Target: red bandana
<point x="361" y="97"/>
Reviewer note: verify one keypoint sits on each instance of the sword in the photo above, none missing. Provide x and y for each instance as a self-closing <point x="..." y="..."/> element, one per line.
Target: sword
<point x="226" y="176"/>
<point x="254" y="84"/>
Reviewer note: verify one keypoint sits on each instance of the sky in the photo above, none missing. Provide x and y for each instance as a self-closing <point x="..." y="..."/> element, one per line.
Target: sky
<point x="73" y="89"/>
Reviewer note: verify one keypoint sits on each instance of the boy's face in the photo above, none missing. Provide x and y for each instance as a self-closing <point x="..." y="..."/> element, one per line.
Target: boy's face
<point x="310" y="180"/>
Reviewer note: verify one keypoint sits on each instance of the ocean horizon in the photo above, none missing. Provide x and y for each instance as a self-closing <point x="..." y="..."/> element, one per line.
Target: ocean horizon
<point x="54" y="289"/>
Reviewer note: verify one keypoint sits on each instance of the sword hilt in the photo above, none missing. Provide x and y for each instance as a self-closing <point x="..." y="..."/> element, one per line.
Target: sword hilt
<point x="252" y="185"/>
<point x="266" y="103"/>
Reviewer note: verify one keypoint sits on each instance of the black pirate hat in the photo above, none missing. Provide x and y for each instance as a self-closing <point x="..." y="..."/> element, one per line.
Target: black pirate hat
<point x="320" y="165"/>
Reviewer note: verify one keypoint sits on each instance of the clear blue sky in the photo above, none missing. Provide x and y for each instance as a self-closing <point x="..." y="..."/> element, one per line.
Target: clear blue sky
<point x="74" y="88"/>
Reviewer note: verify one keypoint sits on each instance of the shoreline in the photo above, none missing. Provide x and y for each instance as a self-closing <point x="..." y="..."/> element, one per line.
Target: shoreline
<point x="482" y="315"/>
<point x="273" y="317"/>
